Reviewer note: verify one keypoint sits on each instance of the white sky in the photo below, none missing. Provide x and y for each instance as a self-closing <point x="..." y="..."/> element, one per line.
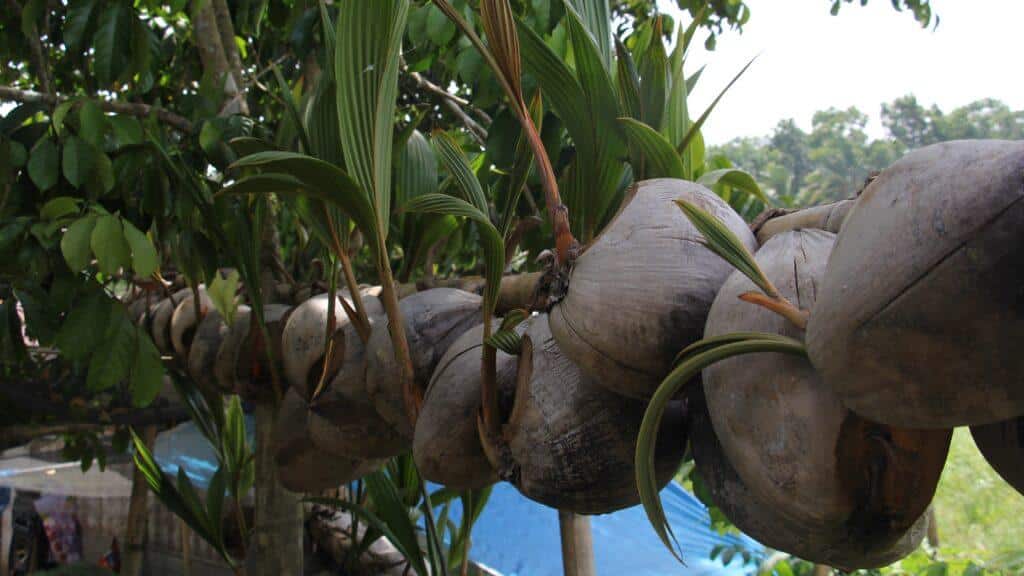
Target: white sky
<point x="810" y="60"/>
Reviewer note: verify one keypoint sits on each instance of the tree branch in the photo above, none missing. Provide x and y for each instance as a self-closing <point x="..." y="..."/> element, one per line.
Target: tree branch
<point x="39" y="60"/>
<point x="453" y="104"/>
<point x="9" y="93"/>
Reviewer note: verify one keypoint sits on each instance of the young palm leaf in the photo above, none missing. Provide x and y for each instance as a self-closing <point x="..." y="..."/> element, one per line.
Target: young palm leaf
<point x="657" y="157"/>
<point x="694" y="130"/>
<point x="647" y="484"/>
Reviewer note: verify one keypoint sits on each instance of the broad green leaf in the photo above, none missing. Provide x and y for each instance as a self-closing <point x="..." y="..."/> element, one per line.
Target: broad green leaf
<point x="736" y="179"/>
<point x="215" y="502"/>
<point x="92" y="123"/>
<point x="458" y="166"/>
<point x="210" y="139"/>
<point x="80" y="13"/>
<point x="77" y="336"/>
<point x="31" y="13"/>
<point x="101" y="180"/>
<point x="493" y="245"/>
<point x="659" y="159"/>
<point x="127" y="130"/>
<point x="647" y="484"/>
<point x="416" y="172"/>
<point x="628" y="79"/>
<point x="60" y="114"/>
<point x="723" y="242"/>
<point x="111" y="362"/>
<point x="147" y="370"/>
<point x="75" y="245"/>
<point x="288" y="172"/>
<point x="79" y="160"/>
<point x="654" y="86"/>
<point x="596" y="19"/>
<point x="44" y="164"/>
<point x="369" y="42"/>
<point x="109" y="245"/>
<point x="144" y="257"/>
<point x="222" y="292"/>
<point x="59" y="207"/>
<point x="391" y="508"/>
<point x="111" y="41"/>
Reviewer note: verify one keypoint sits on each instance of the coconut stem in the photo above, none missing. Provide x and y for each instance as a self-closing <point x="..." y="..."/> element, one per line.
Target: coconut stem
<point x="780" y="305"/>
<point x="411" y="394"/>
<point x="488" y="386"/>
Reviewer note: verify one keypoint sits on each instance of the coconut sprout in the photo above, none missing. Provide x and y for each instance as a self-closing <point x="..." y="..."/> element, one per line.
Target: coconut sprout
<point x="789" y="437"/>
<point x="918" y="316"/>
<point x="204" y="348"/>
<point x="840" y="546"/>
<point x="569" y="442"/>
<point x="1002" y="444"/>
<point x="186" y="319"/>
<point x="434" y="319"/>
<point x="641" y="292"/>
<point x="159" y="319"/>
<point x="446" y="444"/>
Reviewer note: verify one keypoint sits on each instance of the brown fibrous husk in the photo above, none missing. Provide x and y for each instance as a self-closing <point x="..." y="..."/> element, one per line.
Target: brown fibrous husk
<point x="1002" y="444"/>
<point x="433" y="320"/>
<point x="920" y="314"/>
<point x="788" y="436"/>
<point x="569" y="442"/>
<point x="641" y="291"/>
<point x="446" y="445"/>
<point x="841" y="547"/>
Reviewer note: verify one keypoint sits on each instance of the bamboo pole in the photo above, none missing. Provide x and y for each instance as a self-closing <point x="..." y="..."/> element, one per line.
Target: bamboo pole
<point x="577" y="544"/>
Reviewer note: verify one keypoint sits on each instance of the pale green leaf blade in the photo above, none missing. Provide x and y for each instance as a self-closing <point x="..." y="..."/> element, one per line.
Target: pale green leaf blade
<point x="660" y="160"/>
<point x="75" y="245"/>
<point x="222" y="293"/>
<point x="458" y="166"/>
<point x="695" y="128"/>
<point x="736" y="179"/>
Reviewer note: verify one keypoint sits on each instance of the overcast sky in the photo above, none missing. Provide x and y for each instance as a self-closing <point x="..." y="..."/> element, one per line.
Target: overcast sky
<point x="810" y="60"/>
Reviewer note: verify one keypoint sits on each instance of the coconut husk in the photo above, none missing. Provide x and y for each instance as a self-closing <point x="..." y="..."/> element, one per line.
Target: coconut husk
<point x="569" y="442"/>
<point x="348" y="423"/>
<point x="304" y="335"/>
<point x="446" y="445"/>
<point x="1002" y="444"/>
<point x="160" y="320"/>
<point x="184" y="322"/>
<point x="205" y="348"/>
<point x="788" y="436"/>
<point x="433" y="320"/>
<point x="829" y="545"/>
<point x="236" y="366"/>
<point x="301" y="465"/>
<point x="920" y="314"/>
<point x="641" y="292"/>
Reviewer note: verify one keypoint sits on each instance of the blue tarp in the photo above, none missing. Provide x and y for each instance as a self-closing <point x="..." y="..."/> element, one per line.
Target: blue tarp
<point x="518" y="537"/>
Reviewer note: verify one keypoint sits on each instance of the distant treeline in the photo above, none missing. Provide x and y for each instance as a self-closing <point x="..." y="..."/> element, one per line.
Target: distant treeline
<point x="836" y="156"/>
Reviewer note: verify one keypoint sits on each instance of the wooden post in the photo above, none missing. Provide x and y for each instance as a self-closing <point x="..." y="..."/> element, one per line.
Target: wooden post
<point x="6" y="531"/>
<point x="138" y="515"/>
<point x="577" y="544"/>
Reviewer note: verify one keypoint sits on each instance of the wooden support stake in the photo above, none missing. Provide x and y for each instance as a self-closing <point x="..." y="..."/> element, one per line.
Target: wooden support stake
<point x="138" y="514"/>
<point x="577" y="544"/>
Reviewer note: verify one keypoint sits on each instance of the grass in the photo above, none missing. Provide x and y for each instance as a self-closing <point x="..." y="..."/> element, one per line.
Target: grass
<point x="978" y="514"/>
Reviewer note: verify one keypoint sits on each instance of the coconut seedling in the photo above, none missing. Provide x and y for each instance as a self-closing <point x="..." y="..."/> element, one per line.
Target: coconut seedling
<point x="159" y="319"/>
<point x="765" y="523"/>
<point x="185" y="319"/>
<point x="569" y="442"/>
<point x="303" y="466"/>
<point x="919" y="313"/>
<point x="1002" y="444"/>
<point x="205" y="346"/>
<point x="446" y="444"/>
<point x="789" y="437"/>
<point x="857" y="486"/>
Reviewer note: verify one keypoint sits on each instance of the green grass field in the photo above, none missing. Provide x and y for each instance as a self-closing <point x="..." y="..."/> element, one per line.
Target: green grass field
<point x="979" y="515"/>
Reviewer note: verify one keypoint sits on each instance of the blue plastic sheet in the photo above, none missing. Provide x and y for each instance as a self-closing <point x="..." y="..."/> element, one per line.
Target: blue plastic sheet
<point x="518" y="537"/>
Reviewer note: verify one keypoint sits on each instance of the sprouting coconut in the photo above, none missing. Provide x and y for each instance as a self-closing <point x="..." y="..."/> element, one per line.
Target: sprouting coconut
<point x="184" y="321"/>
<point x="347" y="422"/>
<point x="838" y="546"/>
<point x="159" y="317"/>
<point x="236" y="368"/>
<point x="446" y="444"/>
<point x="788" y="436"/>
<point x="433" y="320"/>
<point x="569" y="442"/>
<point x="921" y="311"/>
<point x="641" y="292"/>
<point x="304" y="335"/>
<point x="1002" y="444"/>
<point x="301" y="465"/>
<point x="204" y="349"/>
